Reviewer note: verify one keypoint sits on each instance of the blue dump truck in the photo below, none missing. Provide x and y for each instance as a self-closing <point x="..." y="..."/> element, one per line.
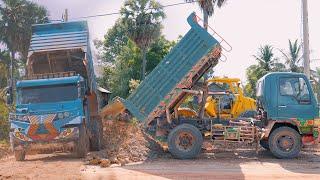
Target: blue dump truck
<point x="57" y="103"/>
<point x="288" y="112"/>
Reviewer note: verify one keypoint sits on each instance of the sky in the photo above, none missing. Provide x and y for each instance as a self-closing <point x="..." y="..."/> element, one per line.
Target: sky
<point x="245" y="24"/>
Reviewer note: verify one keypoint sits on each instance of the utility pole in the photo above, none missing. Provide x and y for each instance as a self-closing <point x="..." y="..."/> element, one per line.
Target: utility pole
<point x="306" y="48"/>
<point x="65" y="16"/>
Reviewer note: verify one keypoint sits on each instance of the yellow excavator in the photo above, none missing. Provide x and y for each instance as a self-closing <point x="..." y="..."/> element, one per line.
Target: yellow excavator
<point x="225" y="100"/>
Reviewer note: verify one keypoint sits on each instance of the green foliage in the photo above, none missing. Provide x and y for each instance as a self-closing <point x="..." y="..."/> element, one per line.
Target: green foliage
<point x="4" y="124"/>
<point x="293" y="56"/>
<point x="114" y="41"/>
<point x="4" y="64"/>
<point x="265" y="57"/>
<point x="142" y="19"/>
<point x="125" y="69"/>
<point x="17" y="17"/>
<point x="254" y="73"/>
<point x="266" y="63"/>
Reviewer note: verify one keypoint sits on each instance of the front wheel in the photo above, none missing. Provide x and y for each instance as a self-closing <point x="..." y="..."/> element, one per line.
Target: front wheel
<point x="285" y="143"/>
<point x="20" y="155"/>
<point x="82" y="143"/>
<point x="185" y="141"/>
<point x="265" y="144"/>
<point x="96" y="141"/>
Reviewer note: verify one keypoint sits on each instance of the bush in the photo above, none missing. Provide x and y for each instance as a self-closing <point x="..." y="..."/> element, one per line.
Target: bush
<point x="4" y="123"/>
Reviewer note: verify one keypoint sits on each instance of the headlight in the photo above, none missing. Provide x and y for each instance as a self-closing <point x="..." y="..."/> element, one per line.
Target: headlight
<point x="21" y="118"/>
<point x="66" y="114"/>
<point x="25" y="118"/>
<point x="60" y="115"/>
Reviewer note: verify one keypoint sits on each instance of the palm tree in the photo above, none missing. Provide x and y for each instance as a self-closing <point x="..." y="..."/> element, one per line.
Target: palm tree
<point x="265" y="58"/>
<point x="143" y="21"/>
<point x="207" y="7"/>
<point x="16" y="19"/>
<point x="293" y="57"/>
<point x="4" y="70"/>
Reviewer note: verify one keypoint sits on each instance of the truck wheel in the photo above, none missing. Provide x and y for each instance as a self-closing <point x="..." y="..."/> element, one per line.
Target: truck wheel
<point x="264" y="143"/>
<point x="96" y="141"/>
<point x="82" y="143"/>
<point x="285" y="142"/>
<point x="20" y="155"/>
<point x="185" y="141"/>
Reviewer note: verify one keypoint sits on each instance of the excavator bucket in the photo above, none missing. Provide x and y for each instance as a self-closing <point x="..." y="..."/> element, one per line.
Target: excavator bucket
<point x="113" y="110"/>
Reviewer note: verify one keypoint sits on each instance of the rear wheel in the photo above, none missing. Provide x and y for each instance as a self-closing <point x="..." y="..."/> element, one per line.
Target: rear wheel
<point x="20" y="155"/>
<point x="185" y="141"/>
<point x="82" y="143"/>
<point x="96" y="141"/>
<point x="285" y="142"/>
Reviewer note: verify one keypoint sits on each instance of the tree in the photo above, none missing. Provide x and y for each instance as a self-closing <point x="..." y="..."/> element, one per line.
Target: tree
<point x="114" y="41"/>
<point x="207" y="7"/>
<point x="123" y="75"/>
<point x="265" y="57"/>
<point x="254" y="73"/>
<point x="293" y="56"/>
<point x="266" y="63"/>
<point x="142" y="19"/>
<point x="4" y="64"/>
<point x="16" y="19"/>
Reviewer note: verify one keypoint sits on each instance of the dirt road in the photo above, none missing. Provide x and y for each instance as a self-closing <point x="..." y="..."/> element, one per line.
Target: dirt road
<point x="218" y="165"/>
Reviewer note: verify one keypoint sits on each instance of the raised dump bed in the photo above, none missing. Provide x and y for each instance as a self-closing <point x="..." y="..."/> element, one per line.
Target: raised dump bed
<point x="162" y="89"/>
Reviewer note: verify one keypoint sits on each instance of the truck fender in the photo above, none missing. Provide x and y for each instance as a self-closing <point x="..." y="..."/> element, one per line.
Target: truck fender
<point x="272" y="125"/>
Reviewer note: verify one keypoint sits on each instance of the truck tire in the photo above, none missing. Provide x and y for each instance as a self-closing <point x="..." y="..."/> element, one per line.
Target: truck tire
<point x="82" y="143"/>
<point x="285" y="143"/>
<point x="265" y="144"/>
<point x="20" y="155"/>
<point x="185" y="141"/>
<point x="96" y="141"/>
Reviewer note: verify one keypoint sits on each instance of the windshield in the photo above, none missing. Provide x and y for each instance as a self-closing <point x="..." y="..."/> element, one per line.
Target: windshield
<point x="48" y="94"/>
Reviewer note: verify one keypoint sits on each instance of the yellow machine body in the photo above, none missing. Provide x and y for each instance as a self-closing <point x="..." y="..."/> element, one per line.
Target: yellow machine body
<point x="228" y="90"/>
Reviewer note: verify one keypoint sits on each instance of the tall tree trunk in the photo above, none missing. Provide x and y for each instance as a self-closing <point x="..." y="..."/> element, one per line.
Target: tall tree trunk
<point x="11" y="68"/>
<point x="205" y="20"/>
<point x="144" y="63"/>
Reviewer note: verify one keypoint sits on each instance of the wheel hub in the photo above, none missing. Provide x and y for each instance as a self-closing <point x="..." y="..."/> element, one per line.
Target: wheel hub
<point x="285" y="143"/>
<point x="185" y="141"/>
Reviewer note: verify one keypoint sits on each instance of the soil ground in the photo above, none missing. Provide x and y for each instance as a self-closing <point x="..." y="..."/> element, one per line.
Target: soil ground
<point x="240" y="164"/>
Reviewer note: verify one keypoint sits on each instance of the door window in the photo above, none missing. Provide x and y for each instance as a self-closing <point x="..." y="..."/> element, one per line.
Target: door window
<point x="295" y="87"/>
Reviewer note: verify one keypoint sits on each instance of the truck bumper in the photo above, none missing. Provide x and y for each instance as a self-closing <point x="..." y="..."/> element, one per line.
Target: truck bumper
<point x="19" y="140"/>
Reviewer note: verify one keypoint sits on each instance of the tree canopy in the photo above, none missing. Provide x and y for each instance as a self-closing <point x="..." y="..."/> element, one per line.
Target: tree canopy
<point x="142" y="19"/>
<point x="17" y="17"/>
<point x="122" y="76"/>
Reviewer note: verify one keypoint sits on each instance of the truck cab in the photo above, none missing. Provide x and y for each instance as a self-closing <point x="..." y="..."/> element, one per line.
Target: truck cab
<point x="289" y="113"/>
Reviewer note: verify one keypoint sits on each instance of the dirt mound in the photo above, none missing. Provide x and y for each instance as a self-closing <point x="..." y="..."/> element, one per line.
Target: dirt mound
<point x="124" y="143"/>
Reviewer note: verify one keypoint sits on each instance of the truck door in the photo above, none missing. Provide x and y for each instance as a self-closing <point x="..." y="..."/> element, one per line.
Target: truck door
<point x="294" y="99"/>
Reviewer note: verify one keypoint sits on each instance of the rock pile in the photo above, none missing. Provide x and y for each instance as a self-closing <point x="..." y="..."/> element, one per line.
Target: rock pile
<point x="124" y="143"/>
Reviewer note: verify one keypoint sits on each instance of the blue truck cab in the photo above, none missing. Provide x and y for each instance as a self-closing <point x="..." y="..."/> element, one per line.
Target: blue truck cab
<point x="289" y="113"/>
<point x="57" y="102"/>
